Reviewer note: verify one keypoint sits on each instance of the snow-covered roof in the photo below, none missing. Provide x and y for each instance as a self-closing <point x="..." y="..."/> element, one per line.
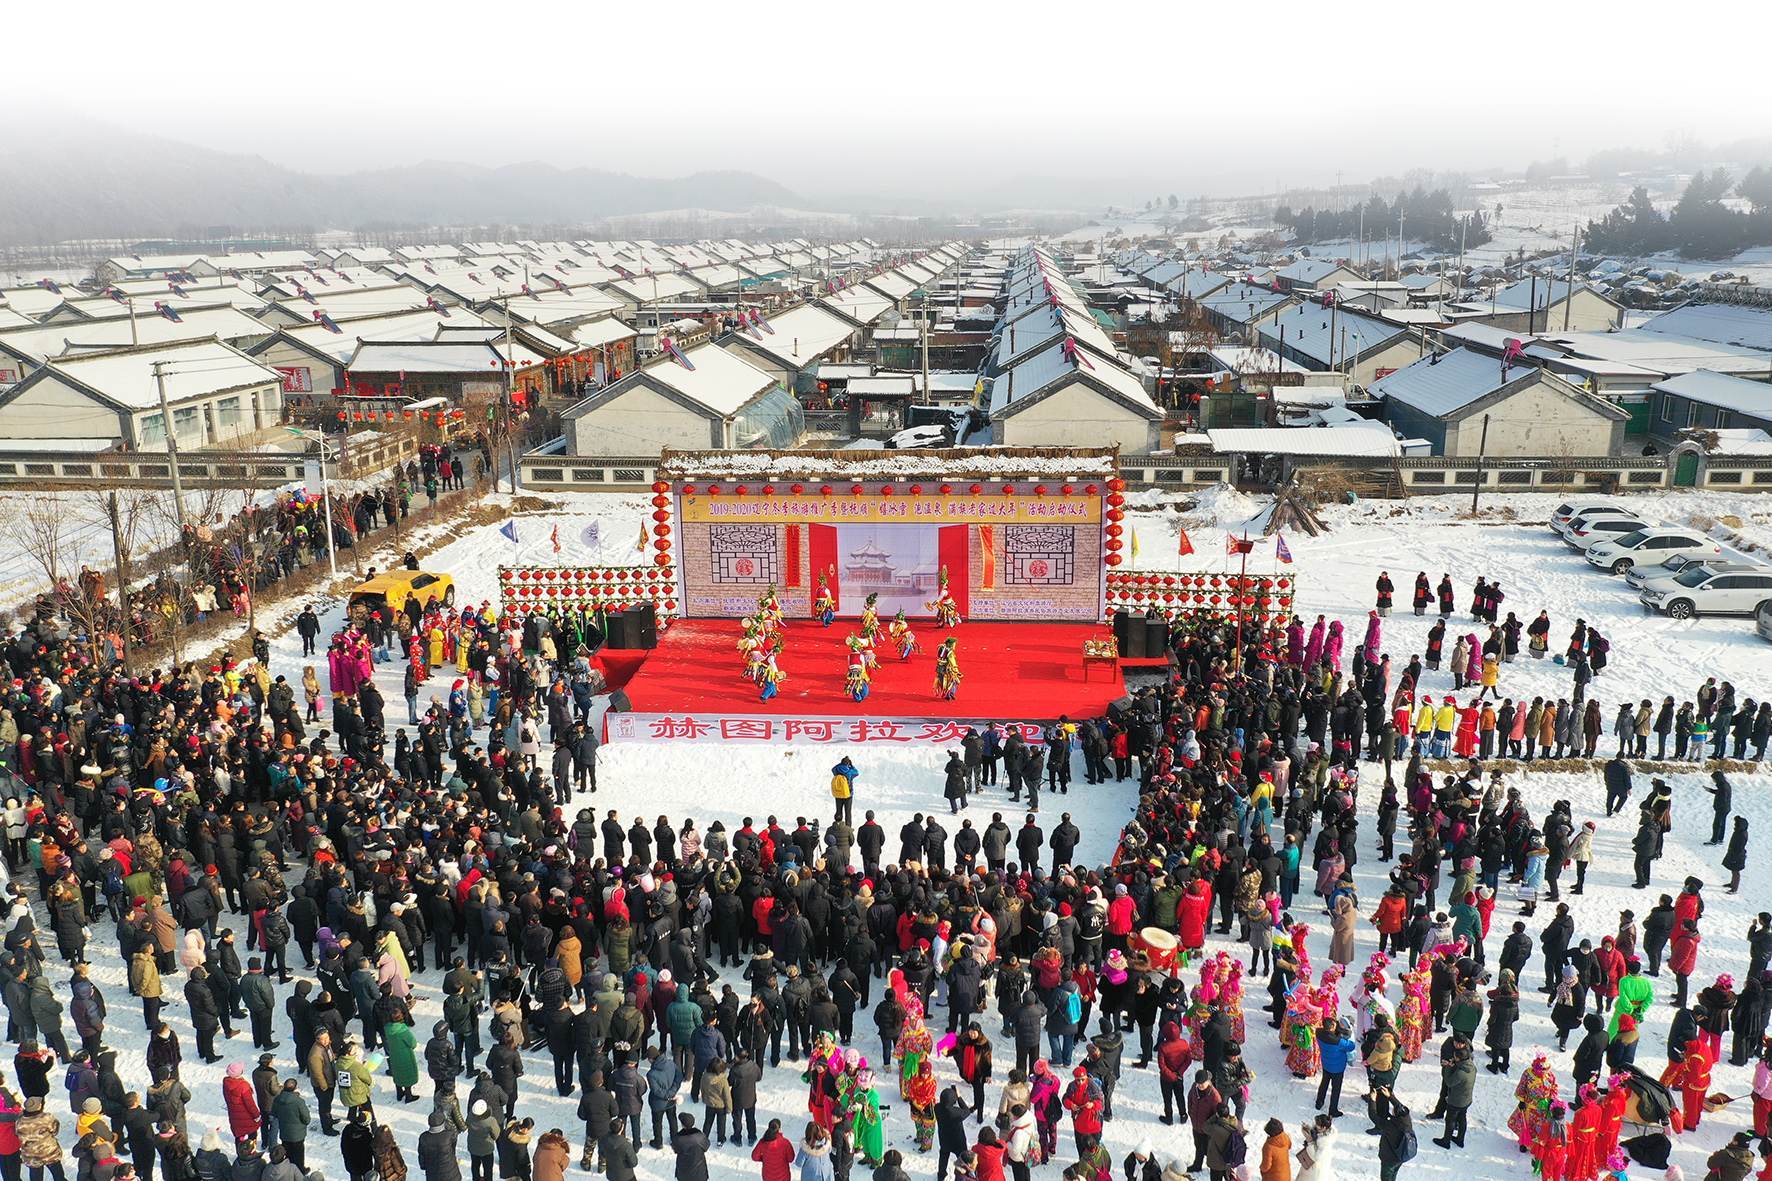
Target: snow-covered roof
<point x="1726" y="392"/>
<point x="1044" y="324"/>
<point x="1664" y="352"/>
<point x="51" y="340"/>
<point x="1548" y="292"/>
<point x="1321" y="333"/>
<point x="722" y="381"/>
<point x="600" y="332"/>
<point x="341" y="345"/>
<point x="1719" y="323"/>
<point x="440" y="356"/>
<point x="1742" y="441"/>
<point x="801" y="335"/>
<point x="1455" y="380"/>
<point x="1310" y="270"/>
<point x="1057" y="363"/>
<point x="1245" y="360"/>
<point x="191" y="369"/>
<point x="861" y="304"/>
<point x="1243" y="302"/>
<point x="892" y="284"/>
<point x="1369" y="439"/>
<point x="656" y="288"/>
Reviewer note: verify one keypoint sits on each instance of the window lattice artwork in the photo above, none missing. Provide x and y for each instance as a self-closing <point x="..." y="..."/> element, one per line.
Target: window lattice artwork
<point x="1039" y="555"/>
<point x="744" y="554"/>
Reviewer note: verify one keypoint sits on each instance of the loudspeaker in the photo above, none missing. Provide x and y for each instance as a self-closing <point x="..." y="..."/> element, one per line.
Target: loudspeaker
<point x="1117" y="710"/>
<point x="645" y="625"/>
<point x="1129" y="631"/>
<point x="1156" y="637"/>
<point x="1122" y="628"/>
<point x="619" y="703"/>
<point x="624" y="630"/>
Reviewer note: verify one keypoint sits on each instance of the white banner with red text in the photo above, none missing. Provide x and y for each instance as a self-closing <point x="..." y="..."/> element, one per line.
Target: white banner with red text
<point x="753" y="728"/>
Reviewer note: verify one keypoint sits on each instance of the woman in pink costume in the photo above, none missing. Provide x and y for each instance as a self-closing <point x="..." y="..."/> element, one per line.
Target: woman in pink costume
<point x="1413" y="1011"/>
<point x="1536" y="1092"/>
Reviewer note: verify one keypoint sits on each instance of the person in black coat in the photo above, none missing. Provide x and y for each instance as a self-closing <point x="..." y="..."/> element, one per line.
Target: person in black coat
<point x="1590" y="1051"/>
<point x="1735" y="857"/>
<point x="690" y="1144"/>
<point x="951" y="1114"/>
<point x="1658" y="928"/>
<point x="357" y="1146"/>
<point x="1722" y="794"/>
<point x="205" y="1015"/>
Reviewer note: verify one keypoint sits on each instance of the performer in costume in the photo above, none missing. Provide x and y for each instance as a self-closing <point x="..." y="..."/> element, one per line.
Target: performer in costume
<point x="947" y="669"/>
<point x="867" y="1134"/>
<point x="902" y="637"/>
<point x="915" y="1043"/>
<point x="870" y="616"/>
<point x="1536" y="1092"/>
<point x="920" y="1093"/>
<point x="770" y="676"/>
<point x="947" y="612"/>
<point x="821" y="1096"/>
<point x="769" y="609"/>
<point x="1413" y="1012"/>
<point x="857" y="679"/>
<point x="824" y="607"/>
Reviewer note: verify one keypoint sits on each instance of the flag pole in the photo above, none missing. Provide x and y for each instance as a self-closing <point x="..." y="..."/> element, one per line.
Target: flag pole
<point x="1243" y="562"/>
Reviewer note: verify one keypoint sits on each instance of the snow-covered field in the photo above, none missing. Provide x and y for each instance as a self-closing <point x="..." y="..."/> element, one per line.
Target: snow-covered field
<point x="1651" y="656"/>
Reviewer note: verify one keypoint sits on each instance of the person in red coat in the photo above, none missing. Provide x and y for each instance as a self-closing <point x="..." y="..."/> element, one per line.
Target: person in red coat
<point x="1612" y="1111"/>
<point x="1083" y="1100"/>
<point x="988" y="1156"/>
<point x="1683" y="959"/>
<point x="775" y="1153"/>
<point x="1584" y="1138"/>
<point x="1694" y="1084"/>
<point x="243" y="1114"/>
<point x="1192" y="914"/>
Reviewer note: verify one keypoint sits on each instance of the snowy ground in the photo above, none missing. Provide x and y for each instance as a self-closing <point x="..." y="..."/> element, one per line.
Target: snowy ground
<point x="1650" y="656"/>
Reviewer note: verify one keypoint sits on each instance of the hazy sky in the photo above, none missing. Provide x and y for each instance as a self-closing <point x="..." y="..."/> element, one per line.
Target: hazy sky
<point x="908" y="97"/>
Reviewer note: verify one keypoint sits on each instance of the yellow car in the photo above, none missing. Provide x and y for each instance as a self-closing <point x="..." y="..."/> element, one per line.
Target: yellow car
<point x="395" y="587"/>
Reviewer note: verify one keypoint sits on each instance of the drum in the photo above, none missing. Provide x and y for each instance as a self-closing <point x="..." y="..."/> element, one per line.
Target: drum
<point x="1159" y="949"/>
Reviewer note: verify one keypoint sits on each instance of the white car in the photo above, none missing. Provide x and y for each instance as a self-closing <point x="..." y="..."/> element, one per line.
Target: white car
<point x="1703" y="591"/>
<point x="1648" y="545"/>
<point x="1565" y="527"/>
<point x="1586" y="531"/>
<point x="1643" y="577"/>
<point x="1570" y="509"/>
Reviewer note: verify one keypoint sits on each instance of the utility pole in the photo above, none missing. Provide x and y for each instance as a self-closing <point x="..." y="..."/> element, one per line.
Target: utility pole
<point x="1569" y="294"/>
<point x="510" y="368"/>
<point x="1482" y="447"/>
<point x="122" y="577"/>
<point x="926" y="398"/>
<point x="178" y="488"/>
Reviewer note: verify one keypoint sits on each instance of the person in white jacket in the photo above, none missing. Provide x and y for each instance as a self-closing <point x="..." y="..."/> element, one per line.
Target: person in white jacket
<point x="1316" y="1158"/>
<point x="1022" y="1144"/>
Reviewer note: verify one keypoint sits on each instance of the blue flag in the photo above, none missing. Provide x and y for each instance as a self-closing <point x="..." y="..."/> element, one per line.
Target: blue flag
<point x="1280" y="550"/>
<point x="509" y="529"/>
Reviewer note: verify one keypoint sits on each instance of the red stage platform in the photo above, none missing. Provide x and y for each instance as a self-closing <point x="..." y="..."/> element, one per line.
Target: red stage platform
<point x="692" y="686"/>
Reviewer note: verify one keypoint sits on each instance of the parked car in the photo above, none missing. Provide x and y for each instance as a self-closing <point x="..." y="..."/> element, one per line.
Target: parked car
<point x="1563" y="528"/>
<point x="1703" y="591"/>
<point x="1620" y="553"/>
<point x="1640" y="576"/>
<point x="393" y="588"/>
<point x="1763" y="621"/>
<point x="1570" y="509"/>
<point x="1586" y="531"/>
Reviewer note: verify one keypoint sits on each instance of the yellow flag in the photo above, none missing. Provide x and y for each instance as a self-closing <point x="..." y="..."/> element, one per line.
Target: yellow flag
<point x="641" y="545"/>
<point x="1135" y="545"/>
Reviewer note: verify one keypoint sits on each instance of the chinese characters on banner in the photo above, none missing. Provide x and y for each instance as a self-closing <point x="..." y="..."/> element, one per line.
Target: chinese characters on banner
<point x="755" y="729"/>
<point x="297" y="379"/>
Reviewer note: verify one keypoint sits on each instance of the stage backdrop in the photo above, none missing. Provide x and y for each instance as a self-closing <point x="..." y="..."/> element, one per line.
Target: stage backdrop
<point x="1009" y="555"/>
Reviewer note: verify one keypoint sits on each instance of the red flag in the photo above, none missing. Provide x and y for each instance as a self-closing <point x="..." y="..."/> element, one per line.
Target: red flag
<point x="555" y="537"/>
<point x="1183" y="546"/>
<point x="1237" y="545"/>
<point x="1280" y="550"/>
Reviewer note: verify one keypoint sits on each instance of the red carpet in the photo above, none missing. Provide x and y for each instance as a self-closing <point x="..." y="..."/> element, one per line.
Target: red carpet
<point x="1011" y="671"/>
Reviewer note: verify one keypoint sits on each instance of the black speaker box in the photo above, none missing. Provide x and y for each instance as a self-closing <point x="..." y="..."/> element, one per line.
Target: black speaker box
<point x="619" y="703"/>
<point x="1122" y="628"/>
<point x="1156" y="637"/>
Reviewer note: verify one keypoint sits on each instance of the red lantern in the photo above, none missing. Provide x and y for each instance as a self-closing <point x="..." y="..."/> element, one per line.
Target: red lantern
<point x="713" y="489"/>
<point x="661" y="486"/>
<point x="1168" y="580"/>
<point x="663" y="559"/>
<point x="661" y="531"/>
<point x="1009" y="490"/>
<point x="671" y="604"/>
<point x="1115" y="499"/>
<point x="1039" y="489"/>
<point x="661" y="502"/>
<point x="1213" y="600"/>
<point x="976" y="489"/>
<point x="662" y="544"/>
<point x="659" y="514"/>
<point x="855" y="489"/>
<point x="947" y="489"/>
<point x="740" y="490"/>
<point x="1113" y="559"/>
<point x="1067" y="489"/>
<point x="1089" y="490"/>
<point x="1116" y="485"/>
<point x="796" y="489"/>
<point x="689" y="489"/>
<point x="1112" y="543"/>
<point x="1114" y="530"/>
<point x="916" y="489"/>
<point x="824" y="489"/>
<point x="1168" y="596"/>
<point x="523" y="574"/>
<point x="886" y="490"/>
<point x="769" y="490"/>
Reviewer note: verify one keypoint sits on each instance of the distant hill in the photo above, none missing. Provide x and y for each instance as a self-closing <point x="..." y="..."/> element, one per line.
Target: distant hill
<point x="90" y="180"/>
